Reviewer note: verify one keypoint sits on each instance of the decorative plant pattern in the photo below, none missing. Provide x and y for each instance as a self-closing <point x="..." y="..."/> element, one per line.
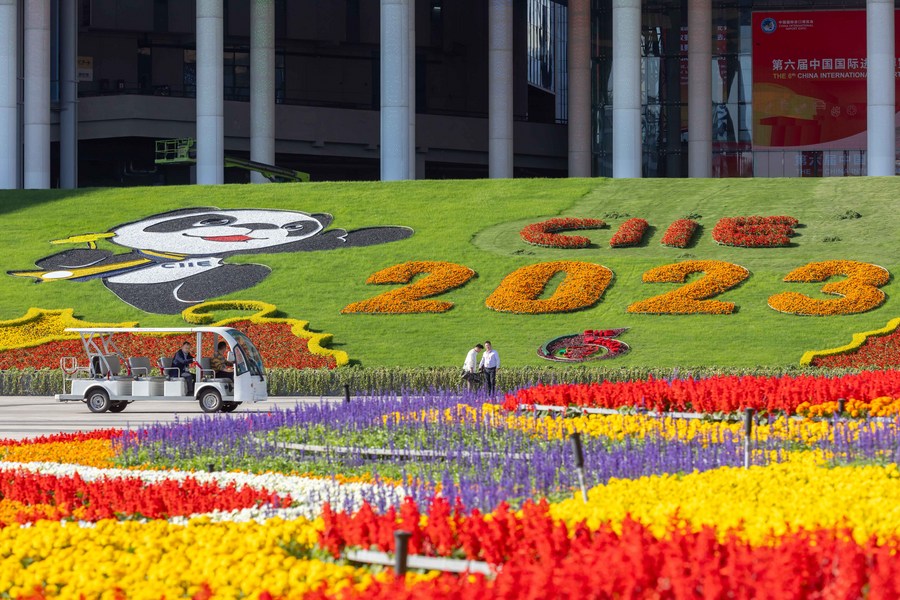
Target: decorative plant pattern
<point x="520" y="291"/>
<point x="546" y="233"/>
<point x="858" y="292"/>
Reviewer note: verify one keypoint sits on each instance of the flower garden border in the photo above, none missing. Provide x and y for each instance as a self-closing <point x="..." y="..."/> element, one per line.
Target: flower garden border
<point x="856" y="342"/>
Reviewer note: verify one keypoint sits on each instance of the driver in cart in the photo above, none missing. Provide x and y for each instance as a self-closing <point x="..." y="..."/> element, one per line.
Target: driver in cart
<point x="183" y="360"/>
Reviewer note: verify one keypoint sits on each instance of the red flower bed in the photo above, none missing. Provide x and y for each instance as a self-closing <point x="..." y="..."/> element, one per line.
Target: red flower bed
<point x="629" y="233"/>
<point x="755" y="232"/>
<point x="680" y="233"/>
<point x="81" y="436"/>
<point x="542" y="558"/>
<point x="278" y="346"/>
<point x="877" y="351"/>
<point x="546" y="233"/>
<point x="110" y="498"/>
<point x="716" y="394"/>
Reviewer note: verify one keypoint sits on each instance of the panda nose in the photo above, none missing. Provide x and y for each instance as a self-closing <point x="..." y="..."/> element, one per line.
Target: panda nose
<point x="254" y="226"/>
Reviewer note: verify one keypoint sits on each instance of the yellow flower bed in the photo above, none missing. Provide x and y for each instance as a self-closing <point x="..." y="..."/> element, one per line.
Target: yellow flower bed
<point x="618" y="427"/>
<point x="159" y="559"/>
<point x="756" y="503"/>
<point x="92" y="453"/>
<point x="859" y="291"/>
<point x="39" y="326"/>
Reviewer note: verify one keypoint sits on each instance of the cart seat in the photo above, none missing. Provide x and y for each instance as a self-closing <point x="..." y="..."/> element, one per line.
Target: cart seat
<point x="141" y="368"/>
<point x="111" y="366"/>
<point x="207" y="373"/>
<point x="170" y="372"/>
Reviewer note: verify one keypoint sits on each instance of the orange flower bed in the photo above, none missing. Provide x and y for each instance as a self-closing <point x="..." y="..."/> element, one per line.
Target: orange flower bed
<point x="883" y="406"/>
<point x="680" y="233"/>
<point x="629" y="233"/>
<point x="442" y="276"/>
<point x="93" y="453"/>
<point x="519" y="292"/>
<point x="755" y="231"/>
<point x="693" y="297"/>
<point x="858" y="293"/>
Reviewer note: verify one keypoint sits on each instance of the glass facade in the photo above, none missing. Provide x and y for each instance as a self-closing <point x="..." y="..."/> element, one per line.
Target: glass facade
<point x="664" y="42"/>
<point x="547" y="40"/>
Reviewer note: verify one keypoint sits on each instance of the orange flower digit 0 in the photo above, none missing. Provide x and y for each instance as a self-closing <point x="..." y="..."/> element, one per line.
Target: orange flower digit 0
<point x="519" y="291"/>
<point x="859" y="291"/>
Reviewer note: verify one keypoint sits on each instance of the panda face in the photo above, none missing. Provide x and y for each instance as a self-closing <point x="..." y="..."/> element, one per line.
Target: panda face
<point x="210" y="232"/>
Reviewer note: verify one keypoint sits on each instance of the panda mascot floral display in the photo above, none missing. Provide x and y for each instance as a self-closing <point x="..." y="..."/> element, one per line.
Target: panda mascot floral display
<point x="177" y="258"/>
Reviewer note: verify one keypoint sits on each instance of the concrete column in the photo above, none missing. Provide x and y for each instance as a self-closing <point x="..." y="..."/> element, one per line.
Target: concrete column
<point x="68" y="95"/>
<point x="411" y="82"/>
<point x="210" y="92"/>
<point x="699" y="88"/>
<point x="579" y="64"/>
<point x="881" y="148"/>
<point x="500" y="89"/>
<point x="37" y="94"/>
<point x="262" y="85"/>
<point x="395" y="90"/>
<point x="626" y="88"/>
<point x="9" y="85"/>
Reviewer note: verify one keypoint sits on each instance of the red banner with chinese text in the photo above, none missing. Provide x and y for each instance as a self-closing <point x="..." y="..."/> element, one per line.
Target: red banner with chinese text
<point x="809" y="79"/>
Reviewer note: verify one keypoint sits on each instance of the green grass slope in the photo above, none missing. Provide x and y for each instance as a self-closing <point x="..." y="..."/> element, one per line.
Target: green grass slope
<point x="476" y="223"/>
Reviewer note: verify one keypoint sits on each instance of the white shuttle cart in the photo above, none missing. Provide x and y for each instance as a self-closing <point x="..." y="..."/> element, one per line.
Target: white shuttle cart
<point x="110" y="381"/>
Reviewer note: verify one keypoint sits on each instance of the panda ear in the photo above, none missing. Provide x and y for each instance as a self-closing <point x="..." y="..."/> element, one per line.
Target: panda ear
<point x="324" y="218"/>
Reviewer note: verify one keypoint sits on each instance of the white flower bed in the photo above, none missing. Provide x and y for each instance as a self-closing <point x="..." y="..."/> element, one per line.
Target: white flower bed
<point x="308" y="494"/>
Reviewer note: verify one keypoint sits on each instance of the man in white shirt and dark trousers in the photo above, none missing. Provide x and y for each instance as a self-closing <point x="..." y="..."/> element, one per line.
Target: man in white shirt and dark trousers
<point x="470" y="367"/>
<point x="490" y="362"/>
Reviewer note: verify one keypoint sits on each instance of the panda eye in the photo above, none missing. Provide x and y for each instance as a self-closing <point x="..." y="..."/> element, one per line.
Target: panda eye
<point x="298" y="226"/>
<point x="214" y="221"/>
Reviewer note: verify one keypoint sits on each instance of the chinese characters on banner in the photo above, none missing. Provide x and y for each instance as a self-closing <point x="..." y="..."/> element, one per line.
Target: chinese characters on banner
<point x="809" y="81"/>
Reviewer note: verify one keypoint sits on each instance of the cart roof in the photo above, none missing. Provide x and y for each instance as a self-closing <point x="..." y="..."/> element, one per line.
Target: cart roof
<point x="219" y="330"/>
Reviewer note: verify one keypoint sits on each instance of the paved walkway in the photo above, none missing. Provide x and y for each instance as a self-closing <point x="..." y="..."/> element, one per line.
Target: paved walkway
<point x="29" y="416"/>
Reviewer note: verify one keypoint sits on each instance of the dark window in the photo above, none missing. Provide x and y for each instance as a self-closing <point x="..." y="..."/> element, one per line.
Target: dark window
<point x="161" y="16"/>
<point x="85" y="13"/>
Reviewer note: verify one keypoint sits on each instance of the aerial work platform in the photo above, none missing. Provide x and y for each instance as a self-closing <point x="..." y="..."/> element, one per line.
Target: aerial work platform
<point x="183" y="151"/>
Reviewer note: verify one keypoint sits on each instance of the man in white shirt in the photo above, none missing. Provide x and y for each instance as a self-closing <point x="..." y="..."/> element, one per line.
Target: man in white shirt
<point x="490" y="362"/>
<point x="470" y="366"/>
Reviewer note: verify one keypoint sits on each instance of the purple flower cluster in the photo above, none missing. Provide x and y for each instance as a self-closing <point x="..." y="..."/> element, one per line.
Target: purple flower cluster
<point x="479" y="463"/>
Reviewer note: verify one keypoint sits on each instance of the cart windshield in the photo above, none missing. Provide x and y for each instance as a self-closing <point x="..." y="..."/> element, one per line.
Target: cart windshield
<point x="251" y="354"/>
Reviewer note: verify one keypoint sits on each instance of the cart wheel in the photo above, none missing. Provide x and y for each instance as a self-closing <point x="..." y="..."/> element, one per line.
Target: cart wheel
<point x="229" y="406"/>
<point x="98" y="401"/>
<point x="211" y="401"/>
<point x="117" y="407"/>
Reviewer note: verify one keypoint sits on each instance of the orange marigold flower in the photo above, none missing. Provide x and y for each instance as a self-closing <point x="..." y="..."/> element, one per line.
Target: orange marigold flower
<point x="858" y="292"/>
<point x="519" y="292"/>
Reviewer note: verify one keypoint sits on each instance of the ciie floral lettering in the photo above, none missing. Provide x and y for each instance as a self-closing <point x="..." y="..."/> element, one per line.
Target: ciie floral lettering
<point x="743" y="232"/>
<point x="593" y="344"/>
<point x="585" y="283"/>
<point x="547" y="233"/>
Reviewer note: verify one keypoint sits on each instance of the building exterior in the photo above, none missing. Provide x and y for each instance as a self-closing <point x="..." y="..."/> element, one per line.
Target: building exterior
<point x="404" y="89"/>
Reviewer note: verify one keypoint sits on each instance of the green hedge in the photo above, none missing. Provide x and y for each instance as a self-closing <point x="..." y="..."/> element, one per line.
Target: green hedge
<point x="323" y="382"/>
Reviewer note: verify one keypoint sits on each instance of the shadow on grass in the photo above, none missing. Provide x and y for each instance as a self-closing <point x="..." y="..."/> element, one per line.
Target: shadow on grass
<point x="16" y="200"/>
